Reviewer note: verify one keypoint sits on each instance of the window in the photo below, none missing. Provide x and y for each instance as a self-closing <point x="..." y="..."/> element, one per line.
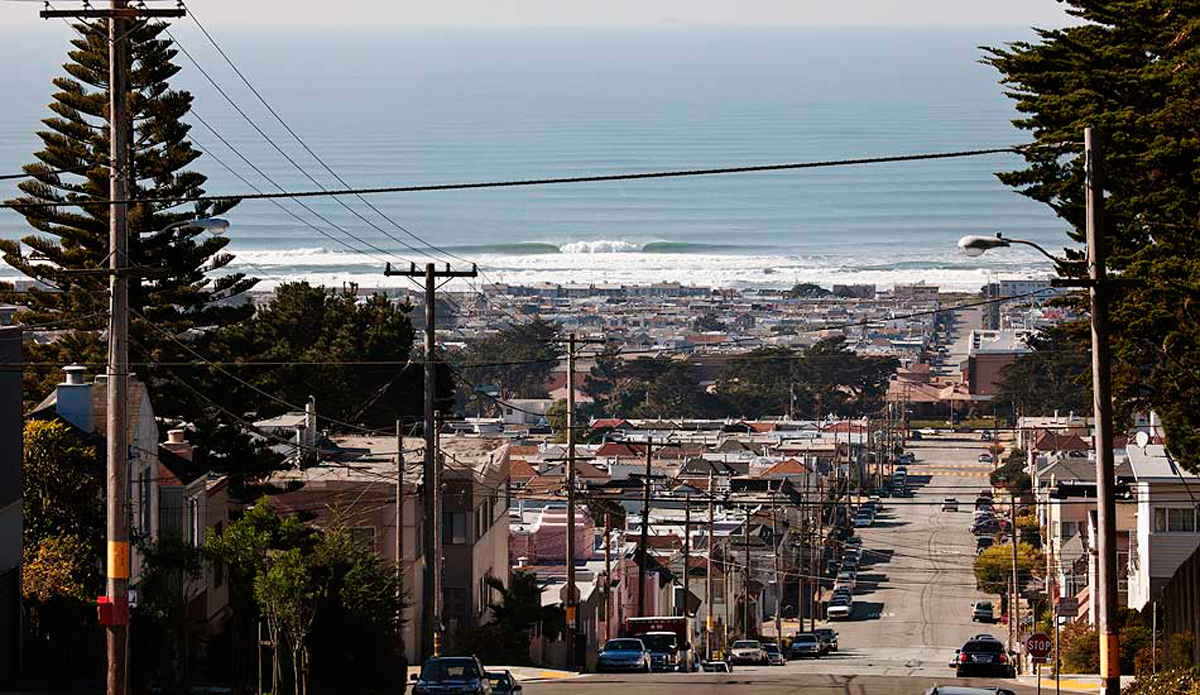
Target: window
<point x="1174" y="520"/>
<point x="363" y="536"/>
<point x="454" y="528"/>
<point x="144" y="501"/>
<point x="195" y="528"/>
<point x="1181" y="520"/>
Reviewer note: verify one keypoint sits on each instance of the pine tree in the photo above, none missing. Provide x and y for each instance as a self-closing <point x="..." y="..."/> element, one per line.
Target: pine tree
<point x="1131" y="69"/>
<point x="76" y="142"/>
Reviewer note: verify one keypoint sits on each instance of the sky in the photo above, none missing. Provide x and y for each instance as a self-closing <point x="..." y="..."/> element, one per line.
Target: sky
<point x="604" y="13"/>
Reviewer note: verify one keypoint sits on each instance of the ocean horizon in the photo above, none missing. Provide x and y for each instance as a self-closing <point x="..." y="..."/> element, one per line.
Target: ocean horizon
<point x="437" y="105"/>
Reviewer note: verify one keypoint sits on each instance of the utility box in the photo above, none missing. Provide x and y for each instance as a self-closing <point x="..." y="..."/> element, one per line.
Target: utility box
<point x="112" y="611"/>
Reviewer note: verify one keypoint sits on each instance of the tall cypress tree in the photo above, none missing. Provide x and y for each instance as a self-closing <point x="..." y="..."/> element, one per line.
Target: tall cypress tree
<point x="69" y="237"/>
<point x="1130" y="68"/>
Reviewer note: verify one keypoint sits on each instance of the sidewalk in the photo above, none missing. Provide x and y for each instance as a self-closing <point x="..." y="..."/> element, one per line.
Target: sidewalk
<point x="1074" y="683"/>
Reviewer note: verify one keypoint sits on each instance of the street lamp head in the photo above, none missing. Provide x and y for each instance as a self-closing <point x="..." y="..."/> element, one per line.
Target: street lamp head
<point x="974" y="245"/>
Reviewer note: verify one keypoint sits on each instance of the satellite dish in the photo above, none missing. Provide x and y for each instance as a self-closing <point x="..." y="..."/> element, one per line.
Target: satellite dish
<point x="1142" y="439"/>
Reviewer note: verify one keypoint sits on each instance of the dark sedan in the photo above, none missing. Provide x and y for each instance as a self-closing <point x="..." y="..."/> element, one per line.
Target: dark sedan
<point x="983" y="658"/>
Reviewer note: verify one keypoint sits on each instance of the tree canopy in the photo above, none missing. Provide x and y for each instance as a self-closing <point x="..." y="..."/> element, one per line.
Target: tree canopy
<point x="1055" y="376"/>
<point x="526" y="353"/>
<point x="1130" y="69"/>
<point x="193" y="285"/>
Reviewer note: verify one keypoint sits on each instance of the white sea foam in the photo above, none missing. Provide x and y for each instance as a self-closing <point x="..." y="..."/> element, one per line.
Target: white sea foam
<point x="601" y="246"/>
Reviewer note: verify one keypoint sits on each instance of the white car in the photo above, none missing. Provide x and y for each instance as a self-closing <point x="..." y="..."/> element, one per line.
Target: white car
<point x="840" y="610"/>
<point x="985" y="458"/>
<point x="949" y="505"/>
<point x="927" y="432"/>
<point x="747" y="651"/>
<point x="846" y="578"/>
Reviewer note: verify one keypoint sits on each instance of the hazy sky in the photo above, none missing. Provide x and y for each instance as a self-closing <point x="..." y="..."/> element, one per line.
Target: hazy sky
<point x="816" y="13"/>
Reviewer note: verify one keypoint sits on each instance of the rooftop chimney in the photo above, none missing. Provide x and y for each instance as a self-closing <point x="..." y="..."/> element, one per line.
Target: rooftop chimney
<point x="74" y="398"/>
<point x="177" y="444"/>
<point x="310" y="422"/>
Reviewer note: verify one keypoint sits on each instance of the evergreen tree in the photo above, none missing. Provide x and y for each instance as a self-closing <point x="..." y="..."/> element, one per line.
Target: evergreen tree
<point x="75" y="141"/>
<point x="1130" y="68"/>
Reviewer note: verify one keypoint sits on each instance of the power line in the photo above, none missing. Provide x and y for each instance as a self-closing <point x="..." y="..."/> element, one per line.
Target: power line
<point x="594" y="178"/>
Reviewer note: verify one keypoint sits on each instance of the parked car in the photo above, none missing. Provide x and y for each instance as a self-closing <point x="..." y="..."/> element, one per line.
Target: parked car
<point x="807" y="644"/>
<point x="714" y="667"/>
<point x="747" y="651"/>
<point x="846" y="577"/>
<point x="927" y="431"/>
<point x="862" y="521"/>
<point x="949" y="505"/>
<point x="982" y="543"/>
<point x="503" y="682"/>
<point x="829" y="636"/>
<point x="983" y="503"/>
<point x="983" y="612"/>
<point x="987" y="527"/>
<point x="451" y="674"/>
<point x="985" y="458"/>
<point x="839" y="608"/>
<point x="984" y="658"/>
<point x="624" y="654"/>
<point x="774" y="656"/>
<point x="854" y="540"/>
<point x="965" y="690"/>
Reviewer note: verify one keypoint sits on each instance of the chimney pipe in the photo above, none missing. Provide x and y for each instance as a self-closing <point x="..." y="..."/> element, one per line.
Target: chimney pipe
<point x="74" y="398"/>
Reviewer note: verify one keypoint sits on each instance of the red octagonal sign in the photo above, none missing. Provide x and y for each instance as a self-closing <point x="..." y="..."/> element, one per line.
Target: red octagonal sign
<point x="1038" y="645"/>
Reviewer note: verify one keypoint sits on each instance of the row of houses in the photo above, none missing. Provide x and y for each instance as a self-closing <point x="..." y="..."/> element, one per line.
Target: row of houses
<point x="1157" y="510"/>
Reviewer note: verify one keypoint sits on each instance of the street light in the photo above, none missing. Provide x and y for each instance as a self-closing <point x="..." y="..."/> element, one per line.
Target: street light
<point x="1097" y="284"/>
<point x="975" y="246"/>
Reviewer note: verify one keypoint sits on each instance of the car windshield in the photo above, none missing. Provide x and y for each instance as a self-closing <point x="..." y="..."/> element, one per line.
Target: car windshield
<point x="828" y="631"/>
<point x="984" y="606"/>
<point x="659" y="642"/>
<point x="623" y="645"/>
<point x="499" y="679"/>
<point x="746" y="644"/>
<point x="770" y="648"/>
<point x="805" y="638"/>
<point x="991" y="646"/>
<point x="450" y="670"/>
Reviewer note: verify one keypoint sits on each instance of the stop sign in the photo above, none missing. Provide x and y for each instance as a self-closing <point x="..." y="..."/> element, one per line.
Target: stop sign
<point x="1038" y="645"/>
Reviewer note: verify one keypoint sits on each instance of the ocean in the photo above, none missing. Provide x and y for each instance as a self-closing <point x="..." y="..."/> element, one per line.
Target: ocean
<point x="429" y="105"/>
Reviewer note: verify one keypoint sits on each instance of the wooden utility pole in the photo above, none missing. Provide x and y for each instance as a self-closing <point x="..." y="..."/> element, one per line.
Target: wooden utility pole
<point x="114" y="605"/>
<point x="708" y="580"/>
<point x="572" y="600"/>
<point x="643" y="553"/>
<point x="400" y="534"/>
<point x="431" y="593"/>
<point x="1015" y="608"/>
<point x="1106" y="510"/>
<point x="607" y="576"/>
<point x="687" y="554"/>
<point x="778" y="576"/>
<point x="746" y="577"/>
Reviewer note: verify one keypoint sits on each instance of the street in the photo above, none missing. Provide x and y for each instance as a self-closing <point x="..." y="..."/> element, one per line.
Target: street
<point x="912" y="604"/>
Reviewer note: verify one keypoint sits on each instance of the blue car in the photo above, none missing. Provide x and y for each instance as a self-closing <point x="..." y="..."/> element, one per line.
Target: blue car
<point x="624" y="654"/>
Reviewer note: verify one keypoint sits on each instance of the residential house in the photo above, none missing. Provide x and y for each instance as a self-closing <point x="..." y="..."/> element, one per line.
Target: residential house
<point x="1168" y="530"/>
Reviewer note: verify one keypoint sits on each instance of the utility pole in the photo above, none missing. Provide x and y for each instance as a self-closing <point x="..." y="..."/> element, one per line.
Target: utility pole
<point x="572" y="599"/>
<point x="1016" y="582"/>
<point x="114" y="605"/>
<point x="607" y="575"/>
<point x="687" y="554"/>
<point x="400" y="534"/>
<point x="1106" y="604"/>
<point x="746" y="577"/>
<point x="431" y="615"/>
<point x="645" y="540"/>
<point x="708" y="579"/>
<point x="778" y="577"/>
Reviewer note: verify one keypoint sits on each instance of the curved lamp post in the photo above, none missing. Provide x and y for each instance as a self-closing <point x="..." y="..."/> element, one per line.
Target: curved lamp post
<point x="974" y="245"/>
<point x="1105" y="594"/>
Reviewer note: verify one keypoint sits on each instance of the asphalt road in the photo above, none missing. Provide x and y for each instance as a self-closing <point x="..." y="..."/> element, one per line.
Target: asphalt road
<point x="912" y="602"/>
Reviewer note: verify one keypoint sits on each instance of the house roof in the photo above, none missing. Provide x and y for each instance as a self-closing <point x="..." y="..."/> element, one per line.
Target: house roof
<point x="1153" y="464"/>
<point x="521" y="470"/>
<point x="1053" y="441"/>
<point x="621" y="449"/>
<point x="610" y="423"/>
<point x="785" y="467"/>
